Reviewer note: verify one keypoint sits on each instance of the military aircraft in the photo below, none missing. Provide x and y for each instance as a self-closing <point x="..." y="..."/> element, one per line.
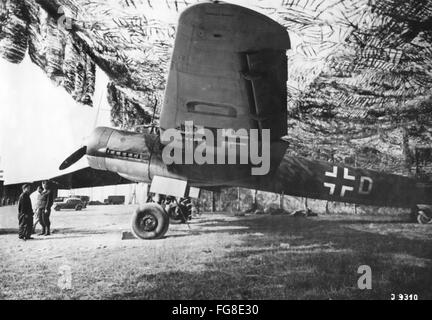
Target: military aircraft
<point x="229" y="71"/>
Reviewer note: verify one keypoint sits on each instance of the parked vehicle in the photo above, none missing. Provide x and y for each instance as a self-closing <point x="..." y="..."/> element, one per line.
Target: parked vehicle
<point x="95" y="203"/>
<point x="84" y="199"/>
<point x="59" y="199"/>
<point x="115" y="200"/>
<point x="70" y="203"/>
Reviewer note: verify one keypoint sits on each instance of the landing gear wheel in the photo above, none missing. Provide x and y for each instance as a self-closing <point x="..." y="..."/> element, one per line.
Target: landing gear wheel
<point x="176" y="215"/>
<point x="424" y="217"/>
<point x="150" y="221"/>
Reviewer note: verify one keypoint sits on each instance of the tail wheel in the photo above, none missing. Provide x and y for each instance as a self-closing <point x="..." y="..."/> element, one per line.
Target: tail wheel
<point x="150" y="221"/>
<point x="424" y="217"/>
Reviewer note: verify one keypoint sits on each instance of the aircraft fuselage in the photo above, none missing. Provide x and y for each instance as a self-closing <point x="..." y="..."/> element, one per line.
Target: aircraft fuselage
<point x="138" y="157"/>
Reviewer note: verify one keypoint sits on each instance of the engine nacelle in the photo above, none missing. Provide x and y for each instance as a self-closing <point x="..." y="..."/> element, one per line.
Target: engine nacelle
<point x="126" y="153"/>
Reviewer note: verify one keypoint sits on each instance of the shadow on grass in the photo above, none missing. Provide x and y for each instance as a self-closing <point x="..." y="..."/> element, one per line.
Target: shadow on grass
<point x="67" y="231"/>
<point x="283" y="257"/>
<point x="8" y="231"/>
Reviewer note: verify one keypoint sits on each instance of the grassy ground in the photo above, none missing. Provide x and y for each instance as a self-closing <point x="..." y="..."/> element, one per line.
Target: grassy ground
<point x="219" y="257"/>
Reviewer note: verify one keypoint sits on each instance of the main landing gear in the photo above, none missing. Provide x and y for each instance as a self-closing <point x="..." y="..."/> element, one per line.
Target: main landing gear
<point x="179" y="211"/>
<point x="150" y="221"/>
<point x="422" y="214"/>
<point x="169" y="200"/>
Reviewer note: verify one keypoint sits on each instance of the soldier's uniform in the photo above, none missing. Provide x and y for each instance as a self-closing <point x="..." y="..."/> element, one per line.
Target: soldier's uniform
<point x="25" y="216"/>
<point x="36" y="198"/>
<point x="44" y="210"/>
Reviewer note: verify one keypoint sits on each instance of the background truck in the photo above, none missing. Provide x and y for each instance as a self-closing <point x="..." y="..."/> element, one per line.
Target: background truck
<point x="115" y="200"/>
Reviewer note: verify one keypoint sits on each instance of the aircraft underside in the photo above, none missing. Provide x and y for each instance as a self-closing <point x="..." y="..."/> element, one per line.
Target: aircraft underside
<point x="141" y="161"/>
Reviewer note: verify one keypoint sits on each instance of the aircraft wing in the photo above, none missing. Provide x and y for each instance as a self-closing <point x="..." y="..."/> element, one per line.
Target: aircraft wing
<point x="88" y="177"/>
<point x="226" y="72"/>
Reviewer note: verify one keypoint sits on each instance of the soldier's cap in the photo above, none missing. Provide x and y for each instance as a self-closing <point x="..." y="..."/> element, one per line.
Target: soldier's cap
<point x="25" y="185"/>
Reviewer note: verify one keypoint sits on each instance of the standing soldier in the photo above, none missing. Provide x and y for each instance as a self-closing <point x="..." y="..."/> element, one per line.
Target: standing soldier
<point x="36" y="198"/>
<point x="47" y="199"/>
<point x="25" y="214"/>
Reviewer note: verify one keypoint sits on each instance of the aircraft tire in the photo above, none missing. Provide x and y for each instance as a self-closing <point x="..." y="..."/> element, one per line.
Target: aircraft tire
<point x="175" y="216"/>
<point x="424" y="217"/>
<point x="150" y="221"/>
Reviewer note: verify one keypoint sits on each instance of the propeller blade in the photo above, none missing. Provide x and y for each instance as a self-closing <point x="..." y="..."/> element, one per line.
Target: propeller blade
<point x="74" y="157"/>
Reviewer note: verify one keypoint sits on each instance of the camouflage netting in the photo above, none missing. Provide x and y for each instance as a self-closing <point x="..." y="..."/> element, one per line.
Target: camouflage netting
<point x="25" y="26"/>
<point x="359" y="71"/>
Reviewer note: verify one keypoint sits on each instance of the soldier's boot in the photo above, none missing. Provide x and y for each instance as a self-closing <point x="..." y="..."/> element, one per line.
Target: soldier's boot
<point x="42" y="232"/>
<point x="47" y="233"/>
